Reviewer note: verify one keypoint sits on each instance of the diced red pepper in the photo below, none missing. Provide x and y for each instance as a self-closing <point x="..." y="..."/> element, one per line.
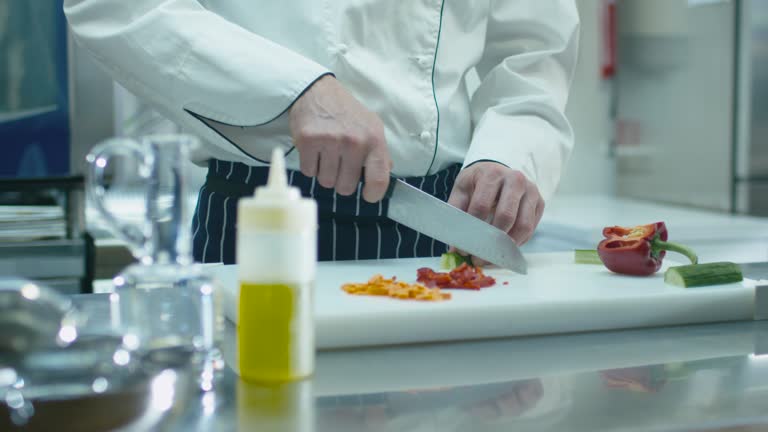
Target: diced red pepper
<point x="462" y="277"/>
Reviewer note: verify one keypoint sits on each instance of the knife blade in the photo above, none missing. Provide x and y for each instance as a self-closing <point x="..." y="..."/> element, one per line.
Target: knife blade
<point x="754" y="270"/>
<point x="430" y="216"/>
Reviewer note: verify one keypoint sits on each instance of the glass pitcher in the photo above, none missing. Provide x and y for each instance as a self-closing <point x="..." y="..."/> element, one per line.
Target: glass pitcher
<point x="164" y="304"/>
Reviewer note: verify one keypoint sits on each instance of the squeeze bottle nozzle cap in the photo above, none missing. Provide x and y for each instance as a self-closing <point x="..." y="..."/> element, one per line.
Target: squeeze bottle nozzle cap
<point x="277" y="187"/>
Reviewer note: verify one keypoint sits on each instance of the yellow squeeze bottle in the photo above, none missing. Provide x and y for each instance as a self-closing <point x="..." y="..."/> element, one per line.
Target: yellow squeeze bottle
<point x="277" y="258"/>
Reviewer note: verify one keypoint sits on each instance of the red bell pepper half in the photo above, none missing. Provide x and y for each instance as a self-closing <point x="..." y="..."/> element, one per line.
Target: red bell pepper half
<point x="638" y="250"/>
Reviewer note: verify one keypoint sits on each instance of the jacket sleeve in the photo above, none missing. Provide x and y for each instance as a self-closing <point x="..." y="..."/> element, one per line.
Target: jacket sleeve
<point x="525" y="73"/>
<point x="191" y="63"/>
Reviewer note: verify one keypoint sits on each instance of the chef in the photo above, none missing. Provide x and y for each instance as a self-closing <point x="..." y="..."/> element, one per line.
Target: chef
<point x="353" y="91"/>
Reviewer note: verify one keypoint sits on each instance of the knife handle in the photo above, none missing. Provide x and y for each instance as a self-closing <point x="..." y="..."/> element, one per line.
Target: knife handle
<point x="390" y="187"/>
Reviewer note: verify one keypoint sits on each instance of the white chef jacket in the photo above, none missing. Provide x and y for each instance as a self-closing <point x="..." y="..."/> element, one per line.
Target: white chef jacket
<point x="229" y="70"/>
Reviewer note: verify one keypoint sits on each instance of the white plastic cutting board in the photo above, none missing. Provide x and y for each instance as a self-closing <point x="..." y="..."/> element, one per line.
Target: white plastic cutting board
<point x="556" y="296"/>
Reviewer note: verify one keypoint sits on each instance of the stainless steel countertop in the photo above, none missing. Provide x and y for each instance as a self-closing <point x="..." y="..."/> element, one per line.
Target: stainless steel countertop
<point x="692" y="378"/>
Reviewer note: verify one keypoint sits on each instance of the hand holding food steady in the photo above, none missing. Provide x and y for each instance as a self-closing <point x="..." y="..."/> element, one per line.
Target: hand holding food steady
<point x="500" y="195"/>
<point x="336" y="137"/>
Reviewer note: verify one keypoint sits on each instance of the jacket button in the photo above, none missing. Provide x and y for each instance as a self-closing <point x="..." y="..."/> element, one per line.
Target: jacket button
<point x="342" y="49"/>
<point x="426" y="136"/>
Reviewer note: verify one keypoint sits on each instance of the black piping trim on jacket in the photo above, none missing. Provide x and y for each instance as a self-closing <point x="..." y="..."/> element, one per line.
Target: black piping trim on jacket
<point x="434" y="92"/>
<point x="203" y="118"/>
<point x="486" y="160"/>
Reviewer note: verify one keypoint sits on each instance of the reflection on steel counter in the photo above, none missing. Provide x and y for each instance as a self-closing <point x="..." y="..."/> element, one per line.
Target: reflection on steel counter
<point x="514" y="403"/>
<point x="284" y="407"/>
<point x="646" y="379"/>
<point x="50" y="371"/>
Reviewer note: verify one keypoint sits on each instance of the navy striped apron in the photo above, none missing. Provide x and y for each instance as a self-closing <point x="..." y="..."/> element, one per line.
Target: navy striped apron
<point x="349" y="227"/>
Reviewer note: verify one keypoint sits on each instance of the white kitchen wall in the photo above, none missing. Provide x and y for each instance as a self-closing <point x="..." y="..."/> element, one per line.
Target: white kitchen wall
<point x="591" y="170"/>
<point x="675" y="98"/>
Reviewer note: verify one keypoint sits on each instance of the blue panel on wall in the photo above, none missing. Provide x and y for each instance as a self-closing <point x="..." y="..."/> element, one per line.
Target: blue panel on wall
<point x="34" y="121"/>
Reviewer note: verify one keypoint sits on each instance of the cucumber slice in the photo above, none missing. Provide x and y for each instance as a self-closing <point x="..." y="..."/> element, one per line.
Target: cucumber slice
<point x="451" y="260"/>
<point x="695" y="275"/>
<point x="586" y="256"/>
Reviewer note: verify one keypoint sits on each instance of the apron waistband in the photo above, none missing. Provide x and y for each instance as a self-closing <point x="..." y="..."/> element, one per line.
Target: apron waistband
<point x="237" y="180"/>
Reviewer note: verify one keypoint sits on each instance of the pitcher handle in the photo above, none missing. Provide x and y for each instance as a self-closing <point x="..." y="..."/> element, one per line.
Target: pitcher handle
<point x="137" y="236"/>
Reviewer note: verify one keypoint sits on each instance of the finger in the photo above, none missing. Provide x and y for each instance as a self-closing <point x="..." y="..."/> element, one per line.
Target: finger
<point x="377" y="169"/>
<point x="454" y="249"/>
<point x="530" y="393"/>
<point x="539" y="211"/>
<point x="349" y="174"/>
<point x="485" y="410"/>
<point x="509" y="202"/>
<point x="328" y="170"/>
<point x="308" y="160"/>
<point x="510" y="404"/>
<point x="477" y="262"/>
<point x="484" y="197"/>
<point x="460" y="193"/>
<point x="521" y="399"/>
<point x="526" y="221"/>
<point x="459" y="198"/>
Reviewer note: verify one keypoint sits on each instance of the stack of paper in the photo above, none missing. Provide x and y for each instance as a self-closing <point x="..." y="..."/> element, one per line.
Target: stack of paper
<point x="25" y="223"/>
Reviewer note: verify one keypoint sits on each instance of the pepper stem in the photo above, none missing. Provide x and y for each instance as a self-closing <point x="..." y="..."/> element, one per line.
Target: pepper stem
<point x="659" y="245"/>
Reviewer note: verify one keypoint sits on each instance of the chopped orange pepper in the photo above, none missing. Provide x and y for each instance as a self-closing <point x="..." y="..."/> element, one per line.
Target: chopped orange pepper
<point x="378" y="286"/>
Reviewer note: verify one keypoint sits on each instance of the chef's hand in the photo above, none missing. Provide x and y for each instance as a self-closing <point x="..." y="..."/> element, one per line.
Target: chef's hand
<point x="336" y="137"/>
<point x="502" y="196"/>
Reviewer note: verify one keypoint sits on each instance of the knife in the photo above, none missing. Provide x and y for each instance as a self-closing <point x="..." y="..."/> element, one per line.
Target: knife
<point x="430" y="216"/>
